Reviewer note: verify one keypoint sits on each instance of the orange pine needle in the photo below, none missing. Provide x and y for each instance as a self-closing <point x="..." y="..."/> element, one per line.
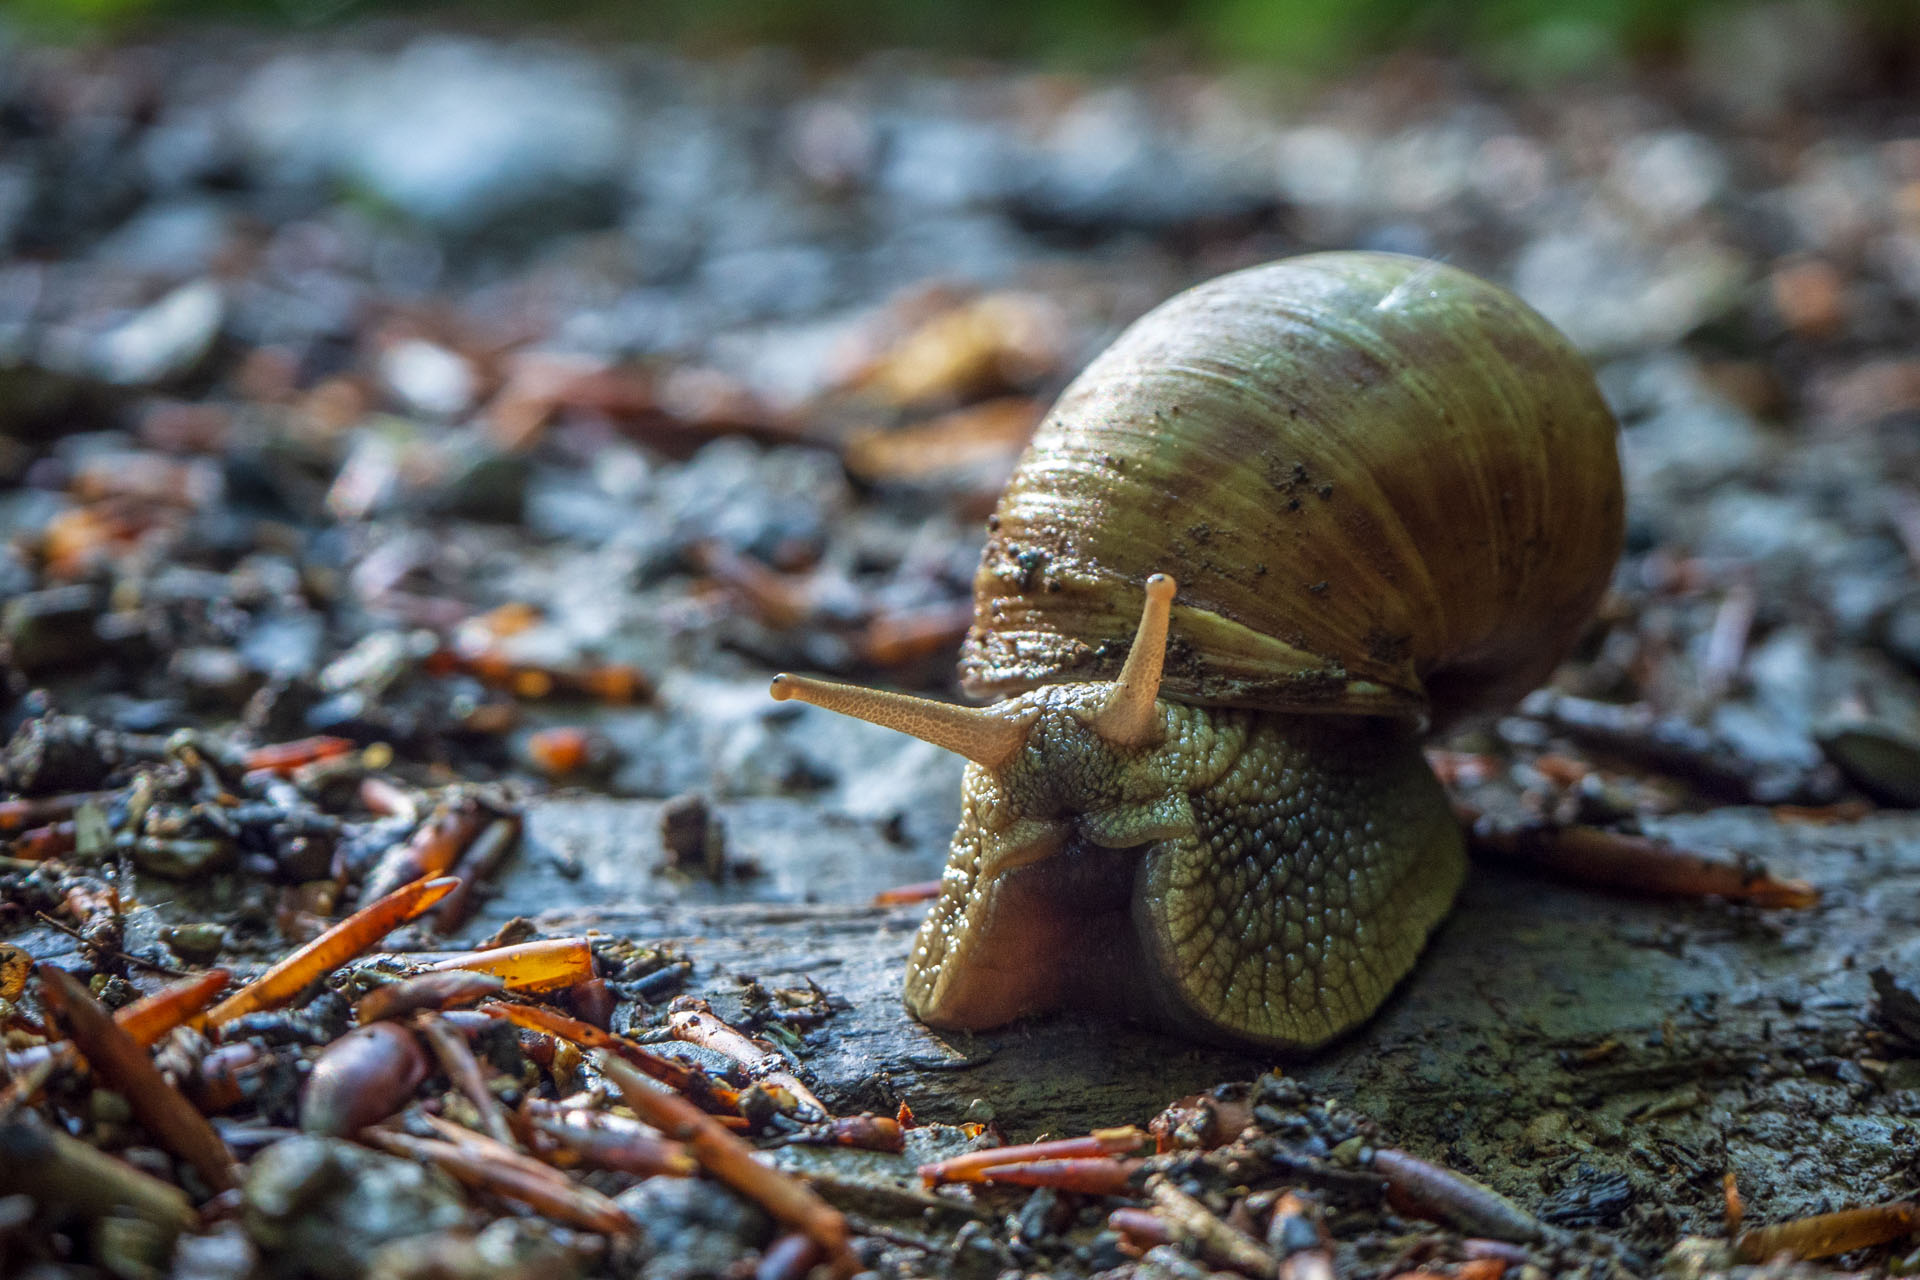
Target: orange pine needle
<point x="1088" y="1175"/>
<point x="1481" y="1269"/>
<point x="285" y="757"/>
<point x="147" y="1020"/>
<point x="481" y="858"/>
<point x="433" y="849"/>
<point x="1827" y="1234"/>
<point x="331" y="949"/>
<point x="531" y="967"/>
<point x="924" y="891"/>
<point x="560" y="751"/>
<point x="43" y="844"/>
<point x="868" y="1132"/>
<point x="973" y="1166"/>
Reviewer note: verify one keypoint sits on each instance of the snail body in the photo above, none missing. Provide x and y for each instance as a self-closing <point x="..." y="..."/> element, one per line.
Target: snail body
<point x="1389" y="495"/>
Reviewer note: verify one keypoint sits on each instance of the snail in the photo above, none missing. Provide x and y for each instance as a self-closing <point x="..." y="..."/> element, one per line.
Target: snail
<point x="1290" y="522"/>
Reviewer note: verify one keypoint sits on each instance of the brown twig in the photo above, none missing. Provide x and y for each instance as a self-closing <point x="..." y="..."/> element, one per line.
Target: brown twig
<point x="694" y="1083"/>
<point x="924" y="891"/>
<point x="125" y="957"/>
<point x="464" y="1070"/>
<point x="124" y="1067"/>
<point x="29" y="1079"/>
<point x="602" y="1141"/>
<point x="1429" y="1191"/>
<point x="550" y="1193"/>
<point x="1192" y="1222"/>
<point x="730" y="1160"/>
<point x="493" y="1148"/>
<point x="1616" y="860"/>
<point x="695" y="1022"/>
<point x="54" y="1169"/>
<point x="446" y="989"/>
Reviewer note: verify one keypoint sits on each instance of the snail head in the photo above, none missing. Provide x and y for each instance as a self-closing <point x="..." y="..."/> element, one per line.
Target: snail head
<point x="1061" y="776"/>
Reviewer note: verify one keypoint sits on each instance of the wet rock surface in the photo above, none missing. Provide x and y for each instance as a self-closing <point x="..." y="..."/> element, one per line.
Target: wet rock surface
<point x="1550" y="1034"/>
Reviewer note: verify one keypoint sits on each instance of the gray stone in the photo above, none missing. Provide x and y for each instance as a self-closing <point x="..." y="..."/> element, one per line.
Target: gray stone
<point x="691" y="1228"/>
<point x="163" y="343"/>
<point x="322" y="1207"/>
<point x="454" y="132"/>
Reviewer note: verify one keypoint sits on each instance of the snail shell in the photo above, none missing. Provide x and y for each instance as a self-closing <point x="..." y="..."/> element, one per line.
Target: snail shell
<point x="1290" y="518"/>
<point x="1384" y="485"/>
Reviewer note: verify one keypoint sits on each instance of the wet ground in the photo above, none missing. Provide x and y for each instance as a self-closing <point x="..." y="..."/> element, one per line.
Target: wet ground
<point x="337" y="400"/>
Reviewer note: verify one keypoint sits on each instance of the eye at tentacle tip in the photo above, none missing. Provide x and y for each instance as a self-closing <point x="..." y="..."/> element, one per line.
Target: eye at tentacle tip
<point x="1128" y="718"/>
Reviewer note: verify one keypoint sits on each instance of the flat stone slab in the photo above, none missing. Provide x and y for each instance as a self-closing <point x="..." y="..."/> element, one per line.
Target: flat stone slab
<point x="1562" y="1043"/>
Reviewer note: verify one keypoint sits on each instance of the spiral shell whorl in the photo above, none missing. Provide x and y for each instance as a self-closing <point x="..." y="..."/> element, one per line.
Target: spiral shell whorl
<point x="1384" y="485"/>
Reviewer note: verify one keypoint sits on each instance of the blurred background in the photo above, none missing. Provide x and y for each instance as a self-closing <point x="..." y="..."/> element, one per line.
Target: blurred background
<point x="397" y="372"/>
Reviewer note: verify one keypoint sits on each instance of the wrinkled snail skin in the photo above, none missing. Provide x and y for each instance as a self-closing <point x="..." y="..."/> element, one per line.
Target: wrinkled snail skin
<point x="1365" y="495"/>
<point x="1257" y="878"/>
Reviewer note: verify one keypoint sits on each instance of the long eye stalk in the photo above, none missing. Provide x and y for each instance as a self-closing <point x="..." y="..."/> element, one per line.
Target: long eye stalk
<point x="974" y="732"/>
<point x="1128" y="719"/>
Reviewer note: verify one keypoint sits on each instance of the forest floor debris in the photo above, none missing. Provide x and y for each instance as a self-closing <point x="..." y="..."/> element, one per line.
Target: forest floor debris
<point x="348" y="522"/>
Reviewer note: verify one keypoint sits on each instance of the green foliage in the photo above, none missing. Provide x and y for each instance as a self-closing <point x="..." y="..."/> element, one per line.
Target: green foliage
<point x="1552" y="35"/>
<point x="72" y="16"/>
